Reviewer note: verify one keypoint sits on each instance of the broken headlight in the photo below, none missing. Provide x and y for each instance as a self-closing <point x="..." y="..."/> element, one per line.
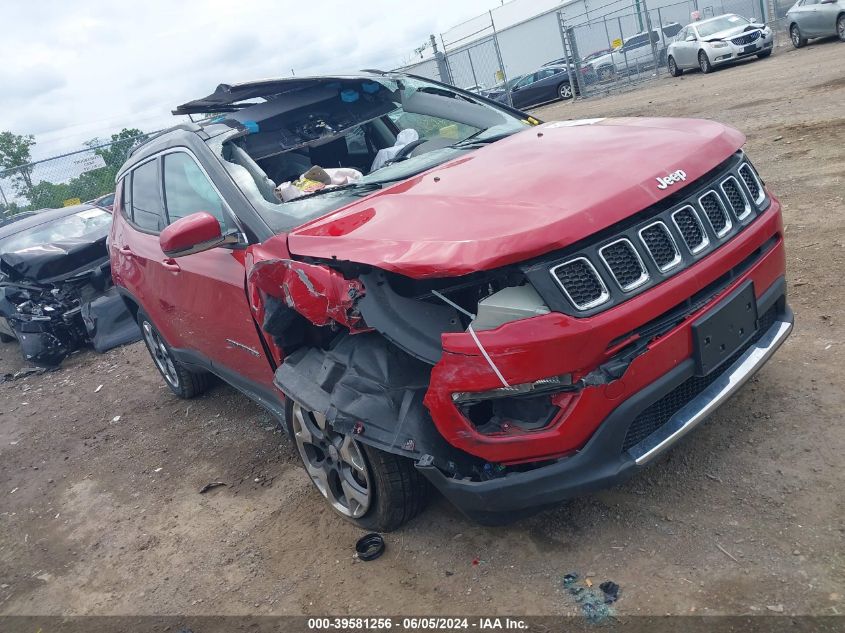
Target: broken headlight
<point x="555" y="383"/>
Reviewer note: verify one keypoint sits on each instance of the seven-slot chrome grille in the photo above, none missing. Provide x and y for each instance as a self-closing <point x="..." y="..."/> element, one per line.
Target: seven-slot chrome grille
<point x="614" y="268"/>
<point x="748" y="38"/>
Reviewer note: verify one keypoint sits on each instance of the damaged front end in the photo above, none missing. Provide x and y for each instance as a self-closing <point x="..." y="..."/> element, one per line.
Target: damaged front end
<point x="365" y="348"/>
<point x="58" y="297"/>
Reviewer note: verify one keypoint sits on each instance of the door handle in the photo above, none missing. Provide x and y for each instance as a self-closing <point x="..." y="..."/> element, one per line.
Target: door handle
<point x="171" y="265"/>
<point x="126" y="250"/>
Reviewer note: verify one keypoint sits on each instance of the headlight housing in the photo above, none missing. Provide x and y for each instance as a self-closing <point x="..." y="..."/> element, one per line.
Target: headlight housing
<point x="718" y="44"/>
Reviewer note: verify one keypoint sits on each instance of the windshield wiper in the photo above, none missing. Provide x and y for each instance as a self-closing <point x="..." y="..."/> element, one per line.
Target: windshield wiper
<point x="473" y="141"/>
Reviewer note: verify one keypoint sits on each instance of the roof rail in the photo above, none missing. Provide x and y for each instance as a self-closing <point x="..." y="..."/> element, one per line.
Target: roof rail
<point x="188" y="127"/>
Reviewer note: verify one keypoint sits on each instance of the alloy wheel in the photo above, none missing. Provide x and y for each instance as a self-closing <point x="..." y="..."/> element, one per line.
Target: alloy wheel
<point x="565" y="91"/>
<point x="334" y="462"/>
<point x="673" y="68"/>
<point x="796" y="37"/>
<point x="160" y="353"/>
<point x="840" y="27"/>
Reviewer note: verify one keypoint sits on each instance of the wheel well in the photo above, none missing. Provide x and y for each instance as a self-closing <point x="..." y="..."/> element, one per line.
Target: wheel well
<point x="130" y="305"/>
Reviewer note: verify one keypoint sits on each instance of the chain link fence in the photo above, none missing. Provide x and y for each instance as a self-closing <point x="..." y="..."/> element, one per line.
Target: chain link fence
<point x="66" y="179"/>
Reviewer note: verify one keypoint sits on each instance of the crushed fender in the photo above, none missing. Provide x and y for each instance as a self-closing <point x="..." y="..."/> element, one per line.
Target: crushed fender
<point x="366" y="386"/>
<point x="318" y="293"/>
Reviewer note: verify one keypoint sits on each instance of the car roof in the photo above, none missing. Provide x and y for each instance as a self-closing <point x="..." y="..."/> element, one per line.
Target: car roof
<point x="43" y="216"/>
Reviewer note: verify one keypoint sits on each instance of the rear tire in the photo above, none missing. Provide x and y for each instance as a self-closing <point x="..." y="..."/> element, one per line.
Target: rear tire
<point x="704" y="62"/>
<point x="5" y="338"/>
<point x="673" y="68"/>
<point x="606" y="73"/>
<point x="184" y="383"/>
<point x="564" y="91"/>
<point x="372" y="489"/>
<point x="798" y="40"/>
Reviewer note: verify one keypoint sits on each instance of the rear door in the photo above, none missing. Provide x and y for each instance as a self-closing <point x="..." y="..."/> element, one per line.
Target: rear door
<point x="825" y="17"/>
<point x="206" y="292"/>
<point x="810" y="19"/>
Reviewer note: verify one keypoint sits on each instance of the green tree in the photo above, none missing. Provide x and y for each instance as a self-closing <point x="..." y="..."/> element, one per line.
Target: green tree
<point x="15" y="153"/>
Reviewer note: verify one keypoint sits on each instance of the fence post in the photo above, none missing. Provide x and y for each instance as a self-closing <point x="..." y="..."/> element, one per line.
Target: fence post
<point x="440" y="60"/>
<point x="650" y="30"/>
<point x="448" y="67"/>
<point x="501" y="61"/>
<point x="576" y="62"/>
<point x="5" y="202"/>
<point x="561" y="24"/>
<point x="472" y="67"/>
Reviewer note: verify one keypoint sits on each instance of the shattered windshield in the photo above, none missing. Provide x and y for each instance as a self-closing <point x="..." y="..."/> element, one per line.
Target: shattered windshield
<point x="310" y="151"/>
<point x="87" y="224"/>
<point x="721" y="24"/>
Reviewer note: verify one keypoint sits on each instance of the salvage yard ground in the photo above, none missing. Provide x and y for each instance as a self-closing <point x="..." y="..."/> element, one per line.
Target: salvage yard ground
<point x="100" y="511"/>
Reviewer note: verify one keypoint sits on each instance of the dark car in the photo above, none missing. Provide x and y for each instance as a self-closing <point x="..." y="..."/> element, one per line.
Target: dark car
<point x="106" y="201"/>
<point x="17" y="217"/>
<point x="56" y="293"/>
<point x="547" y="84"/>
<point x="513" y="312"/>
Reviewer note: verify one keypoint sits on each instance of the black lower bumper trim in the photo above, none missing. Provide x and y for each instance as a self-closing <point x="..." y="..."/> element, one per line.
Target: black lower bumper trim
<point x="603" y="462"/>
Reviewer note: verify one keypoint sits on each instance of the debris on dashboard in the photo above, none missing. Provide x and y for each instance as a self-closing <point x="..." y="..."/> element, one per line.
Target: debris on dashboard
<point x="56" y="292"/>
<point x="316" y="179"/>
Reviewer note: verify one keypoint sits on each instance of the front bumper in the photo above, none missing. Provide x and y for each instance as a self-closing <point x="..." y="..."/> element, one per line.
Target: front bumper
<point x="733" y="52"/>
<point x="603" y="461"/>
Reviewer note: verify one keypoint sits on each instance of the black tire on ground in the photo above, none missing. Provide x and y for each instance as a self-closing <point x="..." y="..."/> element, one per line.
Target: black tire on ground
<point x="397" y="491"/>
<point x="673" y="67"/>
<point x="5" y="338"/>
<point x="798" y="40"/>
<point x="564" y="91"/>
<point x="840" y="27"/>
<point x="704" y="62"/>
<point x="764" y="54"/>
<point x="182" y="381"/>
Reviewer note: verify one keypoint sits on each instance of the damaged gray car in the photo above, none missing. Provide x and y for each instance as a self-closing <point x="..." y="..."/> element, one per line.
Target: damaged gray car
<point x="56" y="293"/>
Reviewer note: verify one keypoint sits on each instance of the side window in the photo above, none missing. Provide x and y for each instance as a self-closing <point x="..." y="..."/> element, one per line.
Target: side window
<point x="188" y="190"/>
<point x="635" y="42"/>
<point x="125" y="198"/>
<point x="147" y="211"/>
<point x="546" y="72"/>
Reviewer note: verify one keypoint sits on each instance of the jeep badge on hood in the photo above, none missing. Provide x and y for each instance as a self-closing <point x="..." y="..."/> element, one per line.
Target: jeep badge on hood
<point x="671" y="179"/>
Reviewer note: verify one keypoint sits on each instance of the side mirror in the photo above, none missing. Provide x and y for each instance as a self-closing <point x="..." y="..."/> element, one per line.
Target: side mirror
<point x="194" y="233"/>
<point x="690" y="38"/>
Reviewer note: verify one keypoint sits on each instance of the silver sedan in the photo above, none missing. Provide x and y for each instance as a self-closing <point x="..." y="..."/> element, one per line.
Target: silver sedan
<point x="815" y="18"/>
<point x="717" y="41"/>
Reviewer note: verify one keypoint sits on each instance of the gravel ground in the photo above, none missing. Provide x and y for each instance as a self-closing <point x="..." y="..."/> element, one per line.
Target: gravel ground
<point x="101" y="514"/>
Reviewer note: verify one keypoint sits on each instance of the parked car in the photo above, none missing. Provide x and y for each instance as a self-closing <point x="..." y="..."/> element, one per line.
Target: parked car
<point x="549" y="83"/>
<point x="717" y="41"/>
<point x="10" y="219"/>
<point x="106" y="201"/>
<point x="815" y="18"/>
<point x="500" y="88"/>
<point x="512" y="313"/>
<point x="476" y="88"/>
<point x="635" y="54"/>
<point x="56" y="293"/>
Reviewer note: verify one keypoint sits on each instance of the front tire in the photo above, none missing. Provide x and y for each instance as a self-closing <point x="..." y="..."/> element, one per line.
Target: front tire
<point x="606" y="73"/>
<point x="673" y="68"/>
<point x="704" y="62"/>
<point x="564" y="91"/>
<point x="182" y="382"/>
<point x="375" y="490"/>
<point x="798" y="40"/>
<point x="840" y="27"/>
<point x="5" y="338"/>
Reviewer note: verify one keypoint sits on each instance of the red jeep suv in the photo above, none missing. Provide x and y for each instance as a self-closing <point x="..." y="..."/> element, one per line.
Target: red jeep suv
<point x="432" y="289"/>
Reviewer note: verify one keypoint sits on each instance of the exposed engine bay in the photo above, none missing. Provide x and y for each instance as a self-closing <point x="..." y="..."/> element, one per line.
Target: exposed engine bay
<point x="57" y="297"/>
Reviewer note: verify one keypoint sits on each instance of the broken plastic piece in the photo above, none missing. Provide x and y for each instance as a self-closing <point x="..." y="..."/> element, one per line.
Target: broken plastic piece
<point x="370" y="546"/>
<point x="610" y="590"/>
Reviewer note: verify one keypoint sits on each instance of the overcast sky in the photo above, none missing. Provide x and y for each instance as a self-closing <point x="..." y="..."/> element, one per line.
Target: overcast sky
<point x="71" y="71"/>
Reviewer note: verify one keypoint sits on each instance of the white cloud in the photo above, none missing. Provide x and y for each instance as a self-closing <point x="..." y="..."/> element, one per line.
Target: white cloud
<point x="73" y="71"/>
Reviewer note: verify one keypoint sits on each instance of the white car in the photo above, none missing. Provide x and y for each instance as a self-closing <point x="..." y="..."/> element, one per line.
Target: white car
<point x="635" y="54"/>
<point x="717" y="41"/>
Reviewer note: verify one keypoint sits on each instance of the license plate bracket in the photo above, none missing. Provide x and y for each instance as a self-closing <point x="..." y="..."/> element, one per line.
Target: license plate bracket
<point x="724" y="329"/>
<point x="749" y="49"/>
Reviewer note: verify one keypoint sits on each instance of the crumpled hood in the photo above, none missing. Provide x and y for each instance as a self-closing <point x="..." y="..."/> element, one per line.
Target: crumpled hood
<point x="537" y="191"/>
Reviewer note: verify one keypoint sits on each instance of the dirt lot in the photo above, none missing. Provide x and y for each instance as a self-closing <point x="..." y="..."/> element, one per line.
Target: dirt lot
<point x="101" y="514"/>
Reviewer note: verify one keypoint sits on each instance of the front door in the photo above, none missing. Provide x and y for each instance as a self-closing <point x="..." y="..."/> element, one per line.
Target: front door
<point x="206" y="291"/>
